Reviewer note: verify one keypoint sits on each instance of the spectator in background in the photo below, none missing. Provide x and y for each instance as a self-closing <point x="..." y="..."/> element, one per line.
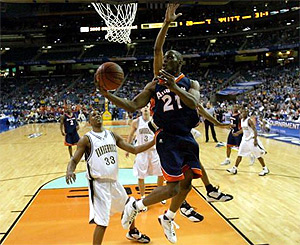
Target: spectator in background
<point x="208" y="124"/>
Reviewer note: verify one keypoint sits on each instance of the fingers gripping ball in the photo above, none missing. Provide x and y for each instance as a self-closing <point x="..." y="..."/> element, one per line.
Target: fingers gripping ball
<point x="109" y="76"/>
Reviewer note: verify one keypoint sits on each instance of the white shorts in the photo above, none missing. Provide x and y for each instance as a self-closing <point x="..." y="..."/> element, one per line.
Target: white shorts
<point x="247" y="147"/>
<point x="147" y="163"/>
<point x="105" y="199"/>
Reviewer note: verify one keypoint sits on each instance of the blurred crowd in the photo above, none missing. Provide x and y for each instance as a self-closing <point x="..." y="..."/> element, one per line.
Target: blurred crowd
<point x="43" y="100"/>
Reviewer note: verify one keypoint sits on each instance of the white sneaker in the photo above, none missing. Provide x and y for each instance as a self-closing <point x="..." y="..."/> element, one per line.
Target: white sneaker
<point x="226" y="162"/>
<point x="264" y="172"/>
<point x="232" y="170"/>
<point x="168" y="227"/>
<point x="217" y="196"/>
<point x="129" y="213"/>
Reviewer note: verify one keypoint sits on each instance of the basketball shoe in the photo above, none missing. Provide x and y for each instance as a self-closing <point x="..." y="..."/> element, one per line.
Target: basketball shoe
<point x="129" y="213"/>
<point x="187" y="211"/>
<point x="264" y="172"/>
<point x="135" y="235"/>
<point x="217" y="196"/>
<point x="226" y="162"/>
<point x="168" y="227"/>
<point x="232" y="170"/>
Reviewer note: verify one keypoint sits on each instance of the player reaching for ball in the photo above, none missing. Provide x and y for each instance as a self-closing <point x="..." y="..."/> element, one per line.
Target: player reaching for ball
<point x="176" y="99"/>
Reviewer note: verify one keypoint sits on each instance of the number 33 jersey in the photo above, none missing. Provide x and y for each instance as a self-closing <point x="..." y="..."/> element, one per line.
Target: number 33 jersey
<point x="170" y="113"/>
<point x="102" y="162"/>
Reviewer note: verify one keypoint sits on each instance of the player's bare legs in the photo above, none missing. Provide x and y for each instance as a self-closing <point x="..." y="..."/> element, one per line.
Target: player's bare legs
<point x="185" y="188"/>
<point x="261" y="161"/>
<point x="228" y="151"/>
<point x="238" y="160"/>
<point x="162" y="193"/>
<point x="70" y="151"/>
<point x="160" y="180"/>
<point x="98" y="234"/>
<point x="141" y="184"/>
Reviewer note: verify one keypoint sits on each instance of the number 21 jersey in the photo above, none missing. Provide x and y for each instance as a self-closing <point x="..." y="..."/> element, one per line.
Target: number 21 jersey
<point x="170" y="113"/>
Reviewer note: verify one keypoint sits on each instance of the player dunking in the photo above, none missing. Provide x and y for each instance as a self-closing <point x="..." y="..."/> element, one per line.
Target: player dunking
<point x="176" y="99"/>
<point x="69" y="127"/>
<point x="233" y="140"/>
<point x="106" y="195"/>
<point x="250" y="144"/>
<point x="146" y="163"/>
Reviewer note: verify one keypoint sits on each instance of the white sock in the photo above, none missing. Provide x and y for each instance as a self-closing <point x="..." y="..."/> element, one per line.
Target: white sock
<point x="265" y="168"/>
<point x="170" y="214"/>
<point x="140" y="205"/>
<point x="234" y="167"/>
<point x="227" y="159"/>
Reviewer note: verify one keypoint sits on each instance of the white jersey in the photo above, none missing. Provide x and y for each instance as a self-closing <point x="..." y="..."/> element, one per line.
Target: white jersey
<point x="102" y="162"/>
<point x="143" y="132"/>
<point x="248" y="132"/>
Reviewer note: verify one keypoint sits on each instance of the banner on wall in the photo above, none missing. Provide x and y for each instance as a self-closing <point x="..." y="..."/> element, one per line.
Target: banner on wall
<point x="286" y="128"/>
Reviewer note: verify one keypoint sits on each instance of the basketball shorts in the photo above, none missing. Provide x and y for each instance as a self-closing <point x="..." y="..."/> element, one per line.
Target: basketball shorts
<point x="177" y="154"/>
<point x="247" y="147"/>
<point x="234" y="140"/>
<point x="71" y="139"/>
<point x="147" y="164"/>
<point x="105" y="199"/>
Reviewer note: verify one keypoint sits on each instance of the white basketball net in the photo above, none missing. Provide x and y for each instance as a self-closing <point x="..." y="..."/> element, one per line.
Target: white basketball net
<point x="118" y="19"/>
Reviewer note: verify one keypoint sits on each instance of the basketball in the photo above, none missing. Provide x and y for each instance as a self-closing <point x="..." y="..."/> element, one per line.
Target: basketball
<point x="109" y="76"/>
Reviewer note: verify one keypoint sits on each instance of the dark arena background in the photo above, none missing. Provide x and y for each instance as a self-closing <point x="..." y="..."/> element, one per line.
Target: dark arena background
<point x="243" y="53"/>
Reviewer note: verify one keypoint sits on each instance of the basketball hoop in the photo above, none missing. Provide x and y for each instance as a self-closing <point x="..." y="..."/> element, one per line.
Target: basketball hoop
<point x="118" y="19"/>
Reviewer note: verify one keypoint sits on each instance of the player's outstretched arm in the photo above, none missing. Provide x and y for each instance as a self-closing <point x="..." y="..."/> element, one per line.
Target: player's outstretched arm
<point x="206" y="115"/>
<point x="121" y="143"/>
<point x="81" y="146"/>
<point x="161" y="37"/>
<point x="238" y="132"/>
<point x="138" y="102"/>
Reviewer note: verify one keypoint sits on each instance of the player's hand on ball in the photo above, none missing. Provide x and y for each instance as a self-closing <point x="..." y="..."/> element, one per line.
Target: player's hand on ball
<point x="70" y="177"/>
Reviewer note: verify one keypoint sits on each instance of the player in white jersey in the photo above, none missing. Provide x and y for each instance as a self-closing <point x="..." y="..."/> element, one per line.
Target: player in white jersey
<point x="106" y="195"/>
<point x="250" y="144"/>
<point x="146" y="163"/>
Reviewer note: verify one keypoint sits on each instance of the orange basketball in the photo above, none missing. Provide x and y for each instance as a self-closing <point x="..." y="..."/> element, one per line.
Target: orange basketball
<point x="109" y="76"/>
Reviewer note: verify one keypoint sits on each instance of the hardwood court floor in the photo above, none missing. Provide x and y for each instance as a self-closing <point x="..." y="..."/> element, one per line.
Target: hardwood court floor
<point x="265" y="209"/>
<point x="59" y="216"/>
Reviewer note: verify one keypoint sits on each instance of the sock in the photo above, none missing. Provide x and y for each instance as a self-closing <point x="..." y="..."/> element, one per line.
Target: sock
<point x="227" y="159"/>
<point x="170" y="214"/>
<point x="234" y="167"/>
<point x="140" y="205"/>
<point x="265" y="168"/>
<point x="209" y="188"/>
